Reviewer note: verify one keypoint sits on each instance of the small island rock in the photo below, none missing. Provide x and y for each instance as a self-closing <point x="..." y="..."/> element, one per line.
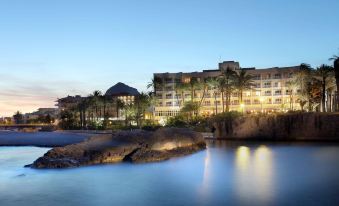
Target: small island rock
<point x="133" y="146"/>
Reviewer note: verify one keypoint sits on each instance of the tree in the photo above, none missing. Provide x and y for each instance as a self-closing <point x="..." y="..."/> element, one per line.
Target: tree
<point x="291" y="87"/>
<point x="141" y="103"/>
<point x="190" y="109"/>
<point x="155" y="83"/>
<point x="18" y="117"/>
<point x="226" y="85"/>
<point x="323" y="73"/>
<point x="243" y="81"/>
<point x="303" y="77"/>
<point x="204" y="87"/>
<point x="213" y="85"/>
<point x="193" y="85"/>
<point x="119" y="105"/>
<point x="180" y="88"/>
<point x="335" y="60"/>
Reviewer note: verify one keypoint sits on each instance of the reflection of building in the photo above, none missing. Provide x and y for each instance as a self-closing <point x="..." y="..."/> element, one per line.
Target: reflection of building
<point x="269" y="92"/>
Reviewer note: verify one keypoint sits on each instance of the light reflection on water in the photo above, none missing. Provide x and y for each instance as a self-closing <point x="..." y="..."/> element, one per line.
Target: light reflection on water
<point x="226" y="173"/>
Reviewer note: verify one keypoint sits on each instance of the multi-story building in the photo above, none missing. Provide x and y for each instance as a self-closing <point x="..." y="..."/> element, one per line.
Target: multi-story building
<point x="269" y="91"/>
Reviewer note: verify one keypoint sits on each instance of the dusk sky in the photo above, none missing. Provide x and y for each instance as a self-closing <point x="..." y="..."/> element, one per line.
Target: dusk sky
<point x="51" y="49"/>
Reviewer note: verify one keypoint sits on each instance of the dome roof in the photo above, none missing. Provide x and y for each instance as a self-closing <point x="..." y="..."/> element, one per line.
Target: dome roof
<point x="121" y="89"/>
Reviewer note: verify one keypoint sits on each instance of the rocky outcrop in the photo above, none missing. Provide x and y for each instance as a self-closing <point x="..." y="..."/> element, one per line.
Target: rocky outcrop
<point x="133" y="146"/>
<point x="289" y="126"/>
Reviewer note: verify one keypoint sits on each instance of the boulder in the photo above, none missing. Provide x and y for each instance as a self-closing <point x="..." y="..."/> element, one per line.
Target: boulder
<point x="132" y="146"/>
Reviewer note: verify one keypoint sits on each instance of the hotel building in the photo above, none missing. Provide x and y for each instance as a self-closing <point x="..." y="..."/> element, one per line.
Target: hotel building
<point x="269" y="92"/>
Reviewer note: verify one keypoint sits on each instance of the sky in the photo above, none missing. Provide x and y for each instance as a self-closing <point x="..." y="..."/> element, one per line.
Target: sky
<point x="51" y="49"/>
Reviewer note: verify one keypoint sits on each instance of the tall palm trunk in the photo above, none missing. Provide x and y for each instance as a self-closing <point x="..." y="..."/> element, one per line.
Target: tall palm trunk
<point x="215" y="102"/>
<point x="336" y="73"/>
<point x="222" y="101"/>
<point x="323" y="95"/>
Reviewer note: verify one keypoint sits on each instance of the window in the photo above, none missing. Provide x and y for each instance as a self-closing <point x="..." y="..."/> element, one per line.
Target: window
<point x="168" y="96"/>
<point x="257" y="77"/>
<point x="257" y="93"/>
<point x="169" y="88"/>
<point x="169" y="80"/>
<point x="267" y="93"/>
<point x="277" y="84"/>
<point x="267" y="84"/>
<point x="187" y="80"/>
<point x="277" y="101"/>
<point x="160" y="104"/>
<point x="288" y="92"/>
<point x="247" y="101"/>
<point x="257" y="85"/>
<point x="277" y="76"/>
<point x="256" y="101"/>
<point x="168" y="103"/>
<point x="266" y="76"/>
<point x="187" y="96"/>
<point x="248" y="94"/>
<point x="207" y="103"/>
<point x="235" y="102"/>
<point x="277" y="92"/>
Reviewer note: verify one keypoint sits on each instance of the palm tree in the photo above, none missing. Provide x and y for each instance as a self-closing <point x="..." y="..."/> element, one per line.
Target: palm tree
<point x="323" y="73"/>
<point x="18" y="117"/>
<point x="119" y="105"/>
<point x="291" y="87"/>
<point x="226" y="85"/>
<point x="193" y="85"/>
<point x="304" y="78"/>
<point x="141" y="103"/>
<point x="180" y="88"/>
<point x="213" y="85"/>
<point x="335" y="60"/>
<point x="96" y="102"/>
<point x="243" y="82"/>
<point x="155" y="83"/>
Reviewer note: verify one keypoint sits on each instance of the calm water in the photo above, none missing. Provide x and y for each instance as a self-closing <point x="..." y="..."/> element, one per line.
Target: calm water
<point x="224" y="174"/>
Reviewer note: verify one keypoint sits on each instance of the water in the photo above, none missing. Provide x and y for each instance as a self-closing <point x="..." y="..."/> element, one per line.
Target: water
<point x="224" y="174"/>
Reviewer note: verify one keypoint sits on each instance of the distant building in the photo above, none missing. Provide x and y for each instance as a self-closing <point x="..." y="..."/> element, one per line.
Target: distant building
<point x="119" y="91"/>
<point x="122" y="92"/>
<point x="6" y="120"/>
<point x="41" y="113"/>
<point x="269" y="92"/>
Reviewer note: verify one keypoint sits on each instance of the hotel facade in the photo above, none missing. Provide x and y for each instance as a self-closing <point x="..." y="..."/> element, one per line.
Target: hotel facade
<point x="270" y="91"/>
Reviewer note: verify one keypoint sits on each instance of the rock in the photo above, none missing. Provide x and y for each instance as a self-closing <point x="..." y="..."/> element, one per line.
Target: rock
<point x="132" y="146"/>
<point x="281" y="127"/>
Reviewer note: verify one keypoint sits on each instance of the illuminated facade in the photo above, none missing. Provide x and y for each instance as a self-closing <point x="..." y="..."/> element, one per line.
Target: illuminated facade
<point x="270" y="91"/>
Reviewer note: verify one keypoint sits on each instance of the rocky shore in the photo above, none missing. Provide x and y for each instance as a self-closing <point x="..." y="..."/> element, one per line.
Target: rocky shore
<point x="132" y="146"/>
<point x="280" y="127"/>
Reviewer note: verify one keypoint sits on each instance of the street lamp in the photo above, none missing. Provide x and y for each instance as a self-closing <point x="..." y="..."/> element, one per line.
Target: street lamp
<point x="261" y="101"/>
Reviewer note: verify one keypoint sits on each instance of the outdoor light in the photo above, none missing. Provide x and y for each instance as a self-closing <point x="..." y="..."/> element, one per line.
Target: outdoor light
<point x="242" y="105"/>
